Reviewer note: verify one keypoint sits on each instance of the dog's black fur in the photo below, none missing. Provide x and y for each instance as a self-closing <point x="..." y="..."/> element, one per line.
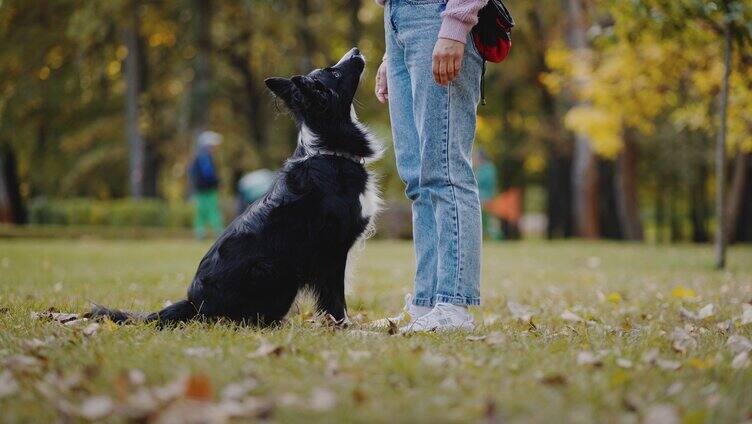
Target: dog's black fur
<point x="299" y="234"/>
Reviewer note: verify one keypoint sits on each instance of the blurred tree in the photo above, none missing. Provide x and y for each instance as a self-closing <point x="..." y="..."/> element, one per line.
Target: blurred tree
<point x="201" y="88"/>
<point x="133" y="84"/>
<point x="584" y="170"/>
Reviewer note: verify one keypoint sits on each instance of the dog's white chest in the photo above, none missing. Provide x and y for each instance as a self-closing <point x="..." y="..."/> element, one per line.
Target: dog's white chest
<point x="370" y="201"/>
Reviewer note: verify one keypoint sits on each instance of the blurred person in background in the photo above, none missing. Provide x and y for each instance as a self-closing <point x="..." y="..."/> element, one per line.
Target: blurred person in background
<point x="204" y="182"/>
<point x="252" y="186"/>
<point x="485" y="174"/>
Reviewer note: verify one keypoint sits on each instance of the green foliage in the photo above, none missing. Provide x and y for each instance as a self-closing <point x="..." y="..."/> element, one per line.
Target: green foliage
<point x="116" y="213"/>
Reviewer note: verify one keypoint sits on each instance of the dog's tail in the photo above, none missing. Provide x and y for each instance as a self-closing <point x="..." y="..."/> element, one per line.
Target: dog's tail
<point x="178" y="312"/>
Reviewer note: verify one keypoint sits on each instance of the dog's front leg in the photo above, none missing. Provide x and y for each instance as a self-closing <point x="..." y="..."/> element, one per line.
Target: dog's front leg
<point x="331" y="291"/>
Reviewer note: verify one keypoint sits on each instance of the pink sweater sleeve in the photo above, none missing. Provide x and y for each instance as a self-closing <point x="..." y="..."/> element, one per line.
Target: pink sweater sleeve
<point x="458" y="18"/>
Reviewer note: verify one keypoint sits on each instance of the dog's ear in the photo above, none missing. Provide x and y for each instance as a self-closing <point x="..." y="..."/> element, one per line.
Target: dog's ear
<point x="281" y="87"/>
<point x="314" y="93"/>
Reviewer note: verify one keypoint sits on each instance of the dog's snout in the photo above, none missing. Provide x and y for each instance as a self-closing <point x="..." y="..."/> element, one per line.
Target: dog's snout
<point x="352" y="54"/>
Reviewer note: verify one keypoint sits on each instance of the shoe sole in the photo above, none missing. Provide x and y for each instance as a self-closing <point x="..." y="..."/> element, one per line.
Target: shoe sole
<point x="465" y="326"/>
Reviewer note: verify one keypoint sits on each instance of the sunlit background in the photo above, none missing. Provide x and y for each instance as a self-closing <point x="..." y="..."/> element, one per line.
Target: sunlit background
<point x="602" y="123"/>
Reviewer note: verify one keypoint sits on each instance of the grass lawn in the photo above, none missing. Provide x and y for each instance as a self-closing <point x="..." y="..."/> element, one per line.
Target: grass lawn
<point x="617" y="333"/>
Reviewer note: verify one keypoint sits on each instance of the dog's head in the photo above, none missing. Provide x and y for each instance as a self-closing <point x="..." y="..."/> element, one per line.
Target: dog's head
<point x="323" y="94"/>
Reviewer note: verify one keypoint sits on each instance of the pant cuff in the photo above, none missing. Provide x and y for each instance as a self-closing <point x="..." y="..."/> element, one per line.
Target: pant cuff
<point x="458" y="300"/>
<point x="423" y="301"/>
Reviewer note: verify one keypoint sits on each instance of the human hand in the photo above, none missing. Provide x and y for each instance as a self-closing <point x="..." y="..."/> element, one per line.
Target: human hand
<point x="447" y="60"/>
<point x="382" y="92"/>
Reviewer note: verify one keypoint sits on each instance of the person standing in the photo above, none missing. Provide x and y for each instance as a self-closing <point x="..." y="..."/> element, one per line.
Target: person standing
<point x="485" y="174"/>
<point x="431" y="76"/>
<point x="204" y="181"/>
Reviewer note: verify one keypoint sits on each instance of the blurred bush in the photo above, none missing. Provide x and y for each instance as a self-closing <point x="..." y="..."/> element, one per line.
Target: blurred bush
<point x="394" y="221"/>
<point x="116" y="213"/>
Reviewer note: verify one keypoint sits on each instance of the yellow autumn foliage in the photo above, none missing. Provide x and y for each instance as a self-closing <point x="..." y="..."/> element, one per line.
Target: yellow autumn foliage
<point x="635" y="80"/>
<point x="603" y="129"/>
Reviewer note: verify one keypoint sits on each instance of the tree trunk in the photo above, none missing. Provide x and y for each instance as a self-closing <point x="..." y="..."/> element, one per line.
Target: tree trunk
<point x="558" y="148"/>
<point x="306" y="36"/>
<point x="659" y="212"/>
<point x="720" y="153"/>
<point x="736" y="195"/>
<point x="626" y="191"/>
<point x="700" y="209"/>
<point x="255" y="97"/>
<point x="585" y="174"/>
<point x="12" y="209"/>
<point x="132" y="92"/>
<point x="608" y="210"/>
<point x="356" y="28"/>
<point x="744" y="220"/>
<point x="201" y="97"/>
<point x="676" y="232"/>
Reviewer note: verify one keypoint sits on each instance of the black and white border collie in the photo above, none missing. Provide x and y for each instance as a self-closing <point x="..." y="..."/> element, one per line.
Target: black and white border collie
<point x="299" y="234"/>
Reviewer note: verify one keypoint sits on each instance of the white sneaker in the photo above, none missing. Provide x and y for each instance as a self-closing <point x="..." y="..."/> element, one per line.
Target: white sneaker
<point x="408" y="315"/>
<point x="443" y="317"/>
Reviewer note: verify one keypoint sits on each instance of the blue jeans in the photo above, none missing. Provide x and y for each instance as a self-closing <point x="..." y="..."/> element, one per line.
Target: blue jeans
<point x="433" y="128"/>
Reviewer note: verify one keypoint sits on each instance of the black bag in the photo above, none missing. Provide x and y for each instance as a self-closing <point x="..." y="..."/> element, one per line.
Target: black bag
<point x="492" y="36"/>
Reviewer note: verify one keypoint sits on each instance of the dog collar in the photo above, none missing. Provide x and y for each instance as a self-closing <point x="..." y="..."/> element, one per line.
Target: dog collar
<point x="357" y="159"/>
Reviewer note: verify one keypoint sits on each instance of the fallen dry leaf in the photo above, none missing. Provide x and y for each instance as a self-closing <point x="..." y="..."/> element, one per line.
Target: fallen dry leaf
<point x="614" y="297"/>
<point x="8" y="384"/>
<point x="706" y="311"/>
<point x="191" y="411"/>
<point x="496" y="338"/>
<point x="198" y="386"/>
<point x="268" y="349"/>
<point x="201" y="352"/>
<point x="477" y="338"/>
<point x="667" y="365"/>
<point x="588" y="358"/>
<point x="251" y="407"/>
<point x="32" y="345"/>
<point x="746" y="314"/>
<point x="22" y="363"/>
<point x="520" y="312"/>
<point x="650" y="356"/>
<point x="90" y="329"/>
<point x="675" y="388"/>
<point x="554" y="380"/>
<point x="96" y="407"/>
<point x="136" y="377"/>
<point x="740" y="361"/>
<point x="239" y="390"/>
<point x="725" y="325"/>
<point x="661" y="414"/>
<point x="54" y="315"/>
<point x="358" y="355"/>
<point x="365" y="334"/>
<point x="682" y="340"/>
<point x="738" y="343"/>
<point x="322" y="399"/>
<point x="568" y="315"/>
<point x="623" y="363"/>
<point x="140" y="404"/>
<point x="681" y="292"/>
<point x="491" y="412"/>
